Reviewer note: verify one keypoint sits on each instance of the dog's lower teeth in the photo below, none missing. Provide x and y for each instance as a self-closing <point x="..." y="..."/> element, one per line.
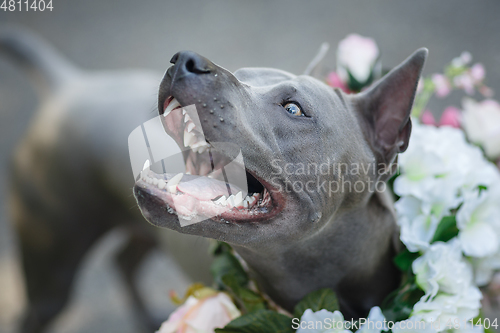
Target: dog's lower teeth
<point x="221" y="201"/>
<point x="172" y="183"/>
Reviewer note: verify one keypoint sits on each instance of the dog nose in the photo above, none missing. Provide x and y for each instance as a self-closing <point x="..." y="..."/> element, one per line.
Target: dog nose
<point x="187" y="62"/>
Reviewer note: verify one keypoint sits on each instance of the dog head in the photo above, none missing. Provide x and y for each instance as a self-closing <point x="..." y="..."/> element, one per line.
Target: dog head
<point x="299" y="141"/>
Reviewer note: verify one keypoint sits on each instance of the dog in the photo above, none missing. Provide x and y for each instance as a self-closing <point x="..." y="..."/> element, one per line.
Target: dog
<point x="71" y="181"/>
<point x="295" y="239"/>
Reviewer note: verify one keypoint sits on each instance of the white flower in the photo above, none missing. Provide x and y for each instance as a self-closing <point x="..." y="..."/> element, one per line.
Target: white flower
<point x="375" y="322"/>
<point x="445" y="307"/>
<point x="201" y="315"/>
<point x="439" y="169"/>
<point x="358" y="56"/>
<point x="322" y="321"/>
<point x="479" y="222"/>
<point x="416" y="223"/>
<point x="413" y="325"/>
<point x="481" y="122"/>
<point x="442" y="269"/>
<point x="484" y="268"/>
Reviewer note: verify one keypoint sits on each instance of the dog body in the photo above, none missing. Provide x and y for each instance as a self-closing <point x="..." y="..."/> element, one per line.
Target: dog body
<point x="70" y="185"/>
<point x="295" y="241"/>
<point x="71" y="180"/>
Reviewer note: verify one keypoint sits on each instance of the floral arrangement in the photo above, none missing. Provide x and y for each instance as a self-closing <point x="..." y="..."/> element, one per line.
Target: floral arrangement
<point x="448" y="209"/>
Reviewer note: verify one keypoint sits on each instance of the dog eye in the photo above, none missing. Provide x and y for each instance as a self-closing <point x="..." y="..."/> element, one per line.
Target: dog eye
<point x="293" y="109"/>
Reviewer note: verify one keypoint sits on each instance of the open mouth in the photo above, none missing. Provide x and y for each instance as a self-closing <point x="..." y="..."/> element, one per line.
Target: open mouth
<point x="207" y="189"/>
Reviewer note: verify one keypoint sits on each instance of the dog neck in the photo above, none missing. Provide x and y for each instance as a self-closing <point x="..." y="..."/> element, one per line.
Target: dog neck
<point x="364" y="277"/>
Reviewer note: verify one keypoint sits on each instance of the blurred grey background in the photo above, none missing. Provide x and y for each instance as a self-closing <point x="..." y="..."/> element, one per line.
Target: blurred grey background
<point x="105" y="34"/>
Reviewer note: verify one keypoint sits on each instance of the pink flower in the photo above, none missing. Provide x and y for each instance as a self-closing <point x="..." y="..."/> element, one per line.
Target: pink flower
<point x="477" y="73"/>
<point x="427" y="118"/>
<point x="335" y="81"/>
<point x="358" y="56"/>
<point x="442" y="85"/>
<point x="201" y="315"/>
<point x="465" y="82"/>
<point x="451" y="117"/>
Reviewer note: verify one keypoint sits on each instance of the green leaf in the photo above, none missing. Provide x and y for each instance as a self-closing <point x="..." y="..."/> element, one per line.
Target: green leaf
<point x="446" y="229"/>
<point x="247" y="299"/>
<point x="404" y="259"/>
<point x="317" y="300"/>
<point x="263" y="321"/>
<point x="399" y="304"/>
<point x="227" y="264"/>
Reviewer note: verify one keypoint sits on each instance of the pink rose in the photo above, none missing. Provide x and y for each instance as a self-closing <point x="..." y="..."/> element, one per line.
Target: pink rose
<point x="334" y="80"/>
<point x="427" y="118"/>
<point x="201" y="315"/>
<point x="358" y="56"/>
<point x="451" y="117"/>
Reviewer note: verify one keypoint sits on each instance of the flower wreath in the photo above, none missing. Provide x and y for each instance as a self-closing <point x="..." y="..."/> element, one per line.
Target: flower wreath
<point x="448" y="209"/>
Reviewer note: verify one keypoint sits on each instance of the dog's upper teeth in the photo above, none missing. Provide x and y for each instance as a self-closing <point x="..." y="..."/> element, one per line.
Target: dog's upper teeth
<point x="147" y="164"/>
<point x="172" y="183"/>
<point x="183" y="112"/>
<point x="189" y="139"/>
<point x="190" y="127"/>
<point x="187" y="118"/>
<point x="172" y="105"/>
<point x="161" y="184"/>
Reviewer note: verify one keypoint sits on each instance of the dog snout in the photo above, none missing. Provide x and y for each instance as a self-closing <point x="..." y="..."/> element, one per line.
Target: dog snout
<point x="190" y="63"/>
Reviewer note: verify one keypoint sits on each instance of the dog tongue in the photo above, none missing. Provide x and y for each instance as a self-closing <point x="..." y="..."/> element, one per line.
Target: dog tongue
<point x="204" y="188"/>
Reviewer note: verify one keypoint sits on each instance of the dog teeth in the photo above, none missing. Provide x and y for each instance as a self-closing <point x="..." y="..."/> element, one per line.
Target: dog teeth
<point x="231" y="200"/>
<point x="187" y="118"/>
<point x="172" y="183"/>
<point x="238" y="199"/>
<point x="190" y="127"/>
<point x="147" y="164"/>
<point x="172" y="105"/>
<point x="183" y="112"/>
<point x="161" y="184"/>
<point x="221" y="201"/>
<point x="189" y="139"/>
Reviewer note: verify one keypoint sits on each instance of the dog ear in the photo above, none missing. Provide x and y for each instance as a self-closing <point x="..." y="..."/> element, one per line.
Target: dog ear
<point x="384" y="109"/>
